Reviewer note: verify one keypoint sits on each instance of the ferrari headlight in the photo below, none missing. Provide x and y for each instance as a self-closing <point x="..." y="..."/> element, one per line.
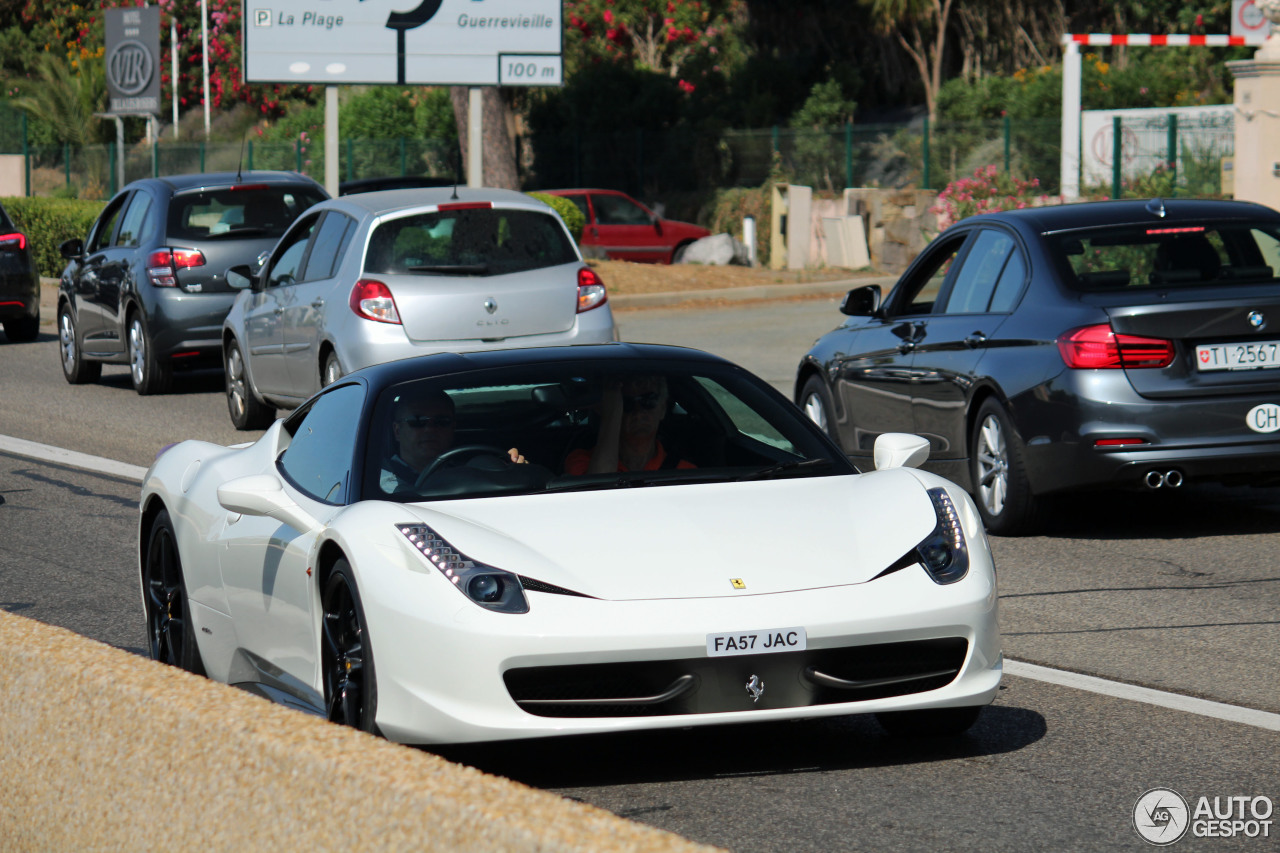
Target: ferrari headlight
<point x="493" y="589"/>
<point x="944" y="553"/>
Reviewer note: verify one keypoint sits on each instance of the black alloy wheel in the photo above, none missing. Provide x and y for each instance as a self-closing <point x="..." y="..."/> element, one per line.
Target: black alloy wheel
<point x="246" y="410"/>
<point x="350" y="686"/>
<point x="930" y="722"/>
<point x="75" y="368"/>
<point x="171" y="634"/>
<point x="149" y="374"/>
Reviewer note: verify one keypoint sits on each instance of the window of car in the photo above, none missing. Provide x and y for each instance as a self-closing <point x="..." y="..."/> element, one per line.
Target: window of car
<point x="329" y="246"/>
<point x="918" y="290"/>
<point x="291" y="252"/>
<point x="993" y="262"/>
<point x="722" y="423"/>
<point x="619" y="210"/>
<point x="105" y="229"/>
<point x="318" y="458"/>
<point x="1169" y="254"/>
<point x="247" y="210"/>
<point x="134" y="228"/>
<point x="468" y="241"/>
<point x="580" y="201"/>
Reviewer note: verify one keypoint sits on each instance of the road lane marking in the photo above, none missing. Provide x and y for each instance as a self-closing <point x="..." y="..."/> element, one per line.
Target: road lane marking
<point x="1120" y="690"/>
<point x="71" y="458"/>
<point x="1088" y="683"/>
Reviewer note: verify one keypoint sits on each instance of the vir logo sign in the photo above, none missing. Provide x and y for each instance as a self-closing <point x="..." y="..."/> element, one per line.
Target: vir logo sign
<point x="132" y="51"/>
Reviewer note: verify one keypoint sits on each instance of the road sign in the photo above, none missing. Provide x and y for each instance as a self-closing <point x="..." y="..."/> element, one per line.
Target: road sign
<point x="437" y="42"/>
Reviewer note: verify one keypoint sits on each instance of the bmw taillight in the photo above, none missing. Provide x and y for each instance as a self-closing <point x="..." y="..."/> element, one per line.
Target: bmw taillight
<point x="163" y="265"/>
<point x="14" y="241"/>
<point x="591" y="292"/>
<point x="372" y="300"/>
<point x="1098" y="347"/>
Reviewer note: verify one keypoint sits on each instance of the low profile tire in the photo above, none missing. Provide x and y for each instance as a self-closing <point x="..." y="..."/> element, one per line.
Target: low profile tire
<point x="815" y="400"/>
<point x="75" y="368"/>
<point x="22" y="330"/>
<point x="246" y="410"/>
<point x="332" y="371"/>
<point x="1000" y="485"/>
<point x="350" y="684"/>
<point x="931" y="722"/>
<point x="171" y="633"/>
<point x="149" y="375"/>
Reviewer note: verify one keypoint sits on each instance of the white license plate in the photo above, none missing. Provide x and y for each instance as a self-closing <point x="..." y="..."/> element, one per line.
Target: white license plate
<point x="761" y="642"/>
<point x="1238" y="356"/>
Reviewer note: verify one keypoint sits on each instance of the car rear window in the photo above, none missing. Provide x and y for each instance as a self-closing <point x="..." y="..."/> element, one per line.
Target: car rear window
<point x="1169" y="255"/>
<point x="231" y="212"/>
<point x="469" y="241"/>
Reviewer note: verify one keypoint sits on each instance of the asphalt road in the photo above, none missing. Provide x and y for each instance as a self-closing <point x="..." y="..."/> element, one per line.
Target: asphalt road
<point x="1176" y="592"/>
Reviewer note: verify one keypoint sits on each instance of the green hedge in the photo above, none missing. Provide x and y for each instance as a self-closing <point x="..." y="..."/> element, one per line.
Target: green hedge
<point x="568" y="211"/>
<point x="48" y="222"/>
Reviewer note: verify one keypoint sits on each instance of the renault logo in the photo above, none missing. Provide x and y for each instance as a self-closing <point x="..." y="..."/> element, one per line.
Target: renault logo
<point x="755" y="688"/>
<point x="490" y="305"/>
<point x="1257" y="321"/>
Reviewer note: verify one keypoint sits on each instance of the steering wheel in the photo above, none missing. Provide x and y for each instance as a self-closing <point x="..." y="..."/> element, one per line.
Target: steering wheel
<point x="467" y="450"/>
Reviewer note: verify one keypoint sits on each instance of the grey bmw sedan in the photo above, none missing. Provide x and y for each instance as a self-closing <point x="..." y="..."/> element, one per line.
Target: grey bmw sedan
<point x="1106" y="344"/>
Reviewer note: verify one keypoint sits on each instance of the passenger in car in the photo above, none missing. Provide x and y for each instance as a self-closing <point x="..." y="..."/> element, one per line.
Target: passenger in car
<point x="631" y="411"/>
<point x="422" y="428"/>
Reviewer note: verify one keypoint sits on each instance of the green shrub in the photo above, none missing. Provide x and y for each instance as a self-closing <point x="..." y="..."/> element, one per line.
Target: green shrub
<point x="568" y="211"/>
<point x="48" y="222"/>
<point x="729" y="207"/>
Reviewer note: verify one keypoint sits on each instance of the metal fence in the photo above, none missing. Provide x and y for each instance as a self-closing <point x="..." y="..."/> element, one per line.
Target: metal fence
<point x="651" y="164"/>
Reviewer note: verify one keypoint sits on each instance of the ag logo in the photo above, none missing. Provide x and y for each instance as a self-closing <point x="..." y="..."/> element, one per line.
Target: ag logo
<point x="130" y="67"/>
<point x="1161" y="816"/>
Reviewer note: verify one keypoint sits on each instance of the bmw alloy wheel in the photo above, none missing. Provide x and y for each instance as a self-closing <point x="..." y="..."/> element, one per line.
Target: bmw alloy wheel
<point x="993" y="466"/>
<point x="817" y="412"/>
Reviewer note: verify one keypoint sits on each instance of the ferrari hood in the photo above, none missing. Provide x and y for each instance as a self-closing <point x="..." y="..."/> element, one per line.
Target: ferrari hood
<point x="692" y="541"/>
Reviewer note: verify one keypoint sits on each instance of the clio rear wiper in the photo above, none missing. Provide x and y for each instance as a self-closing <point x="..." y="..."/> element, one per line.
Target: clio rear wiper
<point x="452" y="269"/>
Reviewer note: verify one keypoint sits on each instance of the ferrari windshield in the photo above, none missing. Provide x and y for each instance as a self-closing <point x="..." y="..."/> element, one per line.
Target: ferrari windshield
<point x="575" y="426"/>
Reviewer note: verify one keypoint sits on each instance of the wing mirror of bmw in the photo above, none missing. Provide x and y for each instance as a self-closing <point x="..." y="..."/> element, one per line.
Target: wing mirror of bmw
<point x="861" y="301"/>
<point x="72" y="249"/>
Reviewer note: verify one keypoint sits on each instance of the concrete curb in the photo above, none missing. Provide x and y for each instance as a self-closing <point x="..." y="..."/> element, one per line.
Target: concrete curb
<point x="103" y="750"/>
<point x="751" y="293"/>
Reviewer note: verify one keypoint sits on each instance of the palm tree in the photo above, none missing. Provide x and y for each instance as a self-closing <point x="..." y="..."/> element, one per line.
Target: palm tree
<point x="67" y="98"/>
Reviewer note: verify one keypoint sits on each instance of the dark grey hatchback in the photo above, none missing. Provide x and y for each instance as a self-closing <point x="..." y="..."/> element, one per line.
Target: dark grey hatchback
<point x="147" y="287"/>
<point x="1105" y="344"/>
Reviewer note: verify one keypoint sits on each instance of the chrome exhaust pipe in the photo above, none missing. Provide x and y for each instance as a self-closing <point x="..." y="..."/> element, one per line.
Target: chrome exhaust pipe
<point x="1154" y="479"/>
<point x="1173" y="478"/>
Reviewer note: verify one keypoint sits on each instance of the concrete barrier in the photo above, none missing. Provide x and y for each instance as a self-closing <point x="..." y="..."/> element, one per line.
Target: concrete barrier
<point x="103" y="750"/>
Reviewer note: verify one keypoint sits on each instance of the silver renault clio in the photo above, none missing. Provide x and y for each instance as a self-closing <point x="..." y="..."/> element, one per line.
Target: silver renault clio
<point x="370" y="278"/>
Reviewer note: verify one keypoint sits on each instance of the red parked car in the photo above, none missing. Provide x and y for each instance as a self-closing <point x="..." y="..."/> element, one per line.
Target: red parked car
<point x="622" y="229"/>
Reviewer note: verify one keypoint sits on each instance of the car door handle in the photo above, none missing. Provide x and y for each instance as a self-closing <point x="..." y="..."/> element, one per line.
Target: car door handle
<point x="317" y="304"/>
<point x="906" y="347"/>
<point x="278" y="311"/>
<point x="975" y="340"/>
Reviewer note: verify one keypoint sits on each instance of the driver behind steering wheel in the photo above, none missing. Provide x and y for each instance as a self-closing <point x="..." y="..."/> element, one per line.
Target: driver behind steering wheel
<point x="423" y="429"/>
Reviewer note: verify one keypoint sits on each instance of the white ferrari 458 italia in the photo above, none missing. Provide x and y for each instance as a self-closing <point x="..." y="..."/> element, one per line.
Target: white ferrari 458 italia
<point x="513" y="544"/>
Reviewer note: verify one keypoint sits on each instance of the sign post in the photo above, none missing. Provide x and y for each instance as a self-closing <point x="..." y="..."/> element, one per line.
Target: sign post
<point x="468" y="43"/>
